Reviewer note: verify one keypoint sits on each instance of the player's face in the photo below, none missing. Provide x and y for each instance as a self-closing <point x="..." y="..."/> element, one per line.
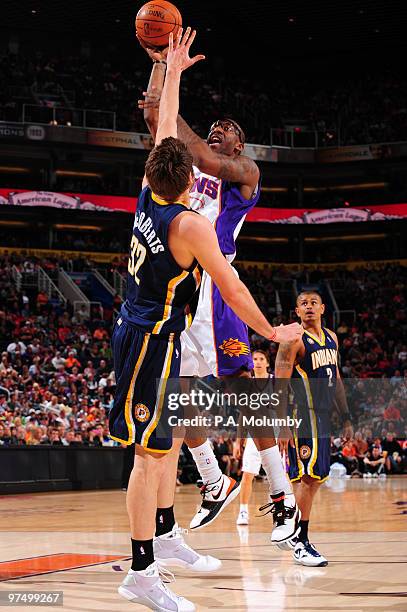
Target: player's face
<point x="310" y="308"/>
<point x="224" y="138"/>
<point x="260" y="362"/>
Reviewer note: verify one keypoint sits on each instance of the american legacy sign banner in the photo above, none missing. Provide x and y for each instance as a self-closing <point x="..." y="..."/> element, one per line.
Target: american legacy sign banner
<point x="109" y="203"/>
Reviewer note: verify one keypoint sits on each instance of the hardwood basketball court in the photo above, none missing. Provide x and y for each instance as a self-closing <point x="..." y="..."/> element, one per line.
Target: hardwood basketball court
<point x="78" y="542"/>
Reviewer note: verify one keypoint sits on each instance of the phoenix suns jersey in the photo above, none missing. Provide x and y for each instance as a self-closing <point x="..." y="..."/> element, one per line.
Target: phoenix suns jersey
<point x="222" y="203"/>
<point x="161" y="297"/>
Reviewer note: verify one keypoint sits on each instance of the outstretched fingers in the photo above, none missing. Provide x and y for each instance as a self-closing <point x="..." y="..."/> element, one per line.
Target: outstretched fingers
<point x="190" y="40"/>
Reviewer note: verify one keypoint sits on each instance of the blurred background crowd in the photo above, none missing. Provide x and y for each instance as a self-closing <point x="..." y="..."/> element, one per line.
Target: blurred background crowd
<point x="347" y="109"/>
<point x="57" y="380"/>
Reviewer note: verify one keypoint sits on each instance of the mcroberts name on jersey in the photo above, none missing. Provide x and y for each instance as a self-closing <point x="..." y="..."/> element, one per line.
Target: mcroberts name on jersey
<point x="145" y="226"/>
<point x="323" y="357"/>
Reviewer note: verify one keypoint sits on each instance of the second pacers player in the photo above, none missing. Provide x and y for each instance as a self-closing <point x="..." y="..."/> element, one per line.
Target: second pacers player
<point x="312" y="364"/>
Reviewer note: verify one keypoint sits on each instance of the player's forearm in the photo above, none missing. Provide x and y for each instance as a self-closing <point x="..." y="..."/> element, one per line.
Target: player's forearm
<point x="169" y="106"/>
<point x="155" y="86"/>
<point x="241" y="302"/>
<point x="283" y="370"/>
<point x="195" y="144"/>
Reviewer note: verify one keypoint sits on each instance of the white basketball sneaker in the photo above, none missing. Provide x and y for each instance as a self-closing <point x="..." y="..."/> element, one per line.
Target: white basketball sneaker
<point x="306" y="554"/>
<point x="286" y="520"/>
<point x="172" y="550"/>
<point x="147" y="589"/>
<point x="215" y="497"/>
<point x="288" y="544"/>
<point x="243" y="518"/>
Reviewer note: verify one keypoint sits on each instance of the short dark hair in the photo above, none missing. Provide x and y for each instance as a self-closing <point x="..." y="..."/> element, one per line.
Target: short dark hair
<point x="169" y="168"/>
<point x="309" y="292"/>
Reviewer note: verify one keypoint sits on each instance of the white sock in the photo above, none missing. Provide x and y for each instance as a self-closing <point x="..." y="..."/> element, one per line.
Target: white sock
<point x="244" y="507"/>
<point x="206" y="462"/>
<point x="276" y="476"/>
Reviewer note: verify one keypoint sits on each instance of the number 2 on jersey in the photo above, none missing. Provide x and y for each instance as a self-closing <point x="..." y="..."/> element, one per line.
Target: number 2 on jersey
<point x="137" y="256"/>
<point x="330" y="374"/>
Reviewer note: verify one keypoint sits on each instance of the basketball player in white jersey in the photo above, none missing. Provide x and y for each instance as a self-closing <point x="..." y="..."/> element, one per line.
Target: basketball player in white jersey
<point x="225" y="190"/>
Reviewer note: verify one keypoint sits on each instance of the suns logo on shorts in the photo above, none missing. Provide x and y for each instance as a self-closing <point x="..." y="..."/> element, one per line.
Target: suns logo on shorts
<point x="305" y="452"/>
<point x="141" y="413"/>
<point x="234" y="348"/>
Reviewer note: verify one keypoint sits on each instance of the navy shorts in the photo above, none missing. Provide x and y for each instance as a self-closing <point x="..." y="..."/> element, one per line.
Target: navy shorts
<point x="311" y="457"/>
<point x="142" y="363"/>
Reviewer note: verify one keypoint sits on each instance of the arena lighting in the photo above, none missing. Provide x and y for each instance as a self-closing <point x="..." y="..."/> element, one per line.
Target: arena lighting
<point x="14" y="224"/>
<point x="262" y="239"/>
<point x="14" y="169"/>
<point x="275" y="189"/>
<point x="79" y="228"/>
<point x="345" y="238"/>
<point x="346" y="187"/>
<point x="78" y="173"/>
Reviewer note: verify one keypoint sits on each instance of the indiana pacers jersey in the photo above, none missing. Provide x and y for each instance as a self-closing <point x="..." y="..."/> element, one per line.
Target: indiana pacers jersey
<point x="317" y="373"/>
<point x="161" y="301"/>
<point x="161" y="297"/>
<point x="314" y="386"/>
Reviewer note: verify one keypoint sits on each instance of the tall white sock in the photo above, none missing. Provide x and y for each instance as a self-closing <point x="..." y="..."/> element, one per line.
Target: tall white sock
<point x="276" y="476"/>
<point x="206" y="462"/>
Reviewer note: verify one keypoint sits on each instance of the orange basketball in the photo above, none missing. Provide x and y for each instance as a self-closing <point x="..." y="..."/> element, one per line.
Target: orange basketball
<point x="156" y="20"/>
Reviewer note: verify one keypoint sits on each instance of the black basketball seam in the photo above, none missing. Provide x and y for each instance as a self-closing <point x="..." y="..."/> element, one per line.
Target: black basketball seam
<point x="168" y="10"/>
<point x="158" y="35"/>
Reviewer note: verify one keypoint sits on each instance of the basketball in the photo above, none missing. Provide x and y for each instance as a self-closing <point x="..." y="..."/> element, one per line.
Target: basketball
<point x="155" y="21"/>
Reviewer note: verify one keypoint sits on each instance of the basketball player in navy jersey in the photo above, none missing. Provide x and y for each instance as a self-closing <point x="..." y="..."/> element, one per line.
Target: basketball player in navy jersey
<point x="312" y="363"/>
<point x="226" y="188"/>
<point x="170" y="246"/>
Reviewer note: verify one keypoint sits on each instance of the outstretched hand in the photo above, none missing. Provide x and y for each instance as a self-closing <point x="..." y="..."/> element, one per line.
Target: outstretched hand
<point x="178" y="50"/>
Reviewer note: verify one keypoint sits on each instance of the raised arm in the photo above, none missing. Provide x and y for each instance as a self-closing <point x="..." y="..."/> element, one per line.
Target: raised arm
<point x="240" y="169"/>
<point x="153" y="94"/>
<point x="151" y="102"/>
<point x="177" y="60"/>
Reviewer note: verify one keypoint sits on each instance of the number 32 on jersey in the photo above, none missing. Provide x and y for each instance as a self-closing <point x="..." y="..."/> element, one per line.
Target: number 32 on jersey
<point x="137" y="256"/>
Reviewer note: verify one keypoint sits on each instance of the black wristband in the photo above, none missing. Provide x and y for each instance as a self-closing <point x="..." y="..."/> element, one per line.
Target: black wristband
<point x="160" y="62"/>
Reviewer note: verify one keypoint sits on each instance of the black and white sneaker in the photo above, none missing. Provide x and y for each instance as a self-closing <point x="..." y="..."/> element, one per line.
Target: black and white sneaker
<point x="215" y="498"/>
<point x="286" y="521"/>
<point x="306" y="554"/>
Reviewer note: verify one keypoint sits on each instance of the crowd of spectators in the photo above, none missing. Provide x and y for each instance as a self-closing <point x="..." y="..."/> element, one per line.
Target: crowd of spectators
<point x="57" y="381"/>
<point x="346" y="109"/>
<point x="56" y="375"/>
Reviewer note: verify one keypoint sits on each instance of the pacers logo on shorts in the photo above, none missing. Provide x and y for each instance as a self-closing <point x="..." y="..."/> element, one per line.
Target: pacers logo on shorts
<point x="141" y="413"/>
<point x="305" y="452"/>
<point x="234" y="348"/>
